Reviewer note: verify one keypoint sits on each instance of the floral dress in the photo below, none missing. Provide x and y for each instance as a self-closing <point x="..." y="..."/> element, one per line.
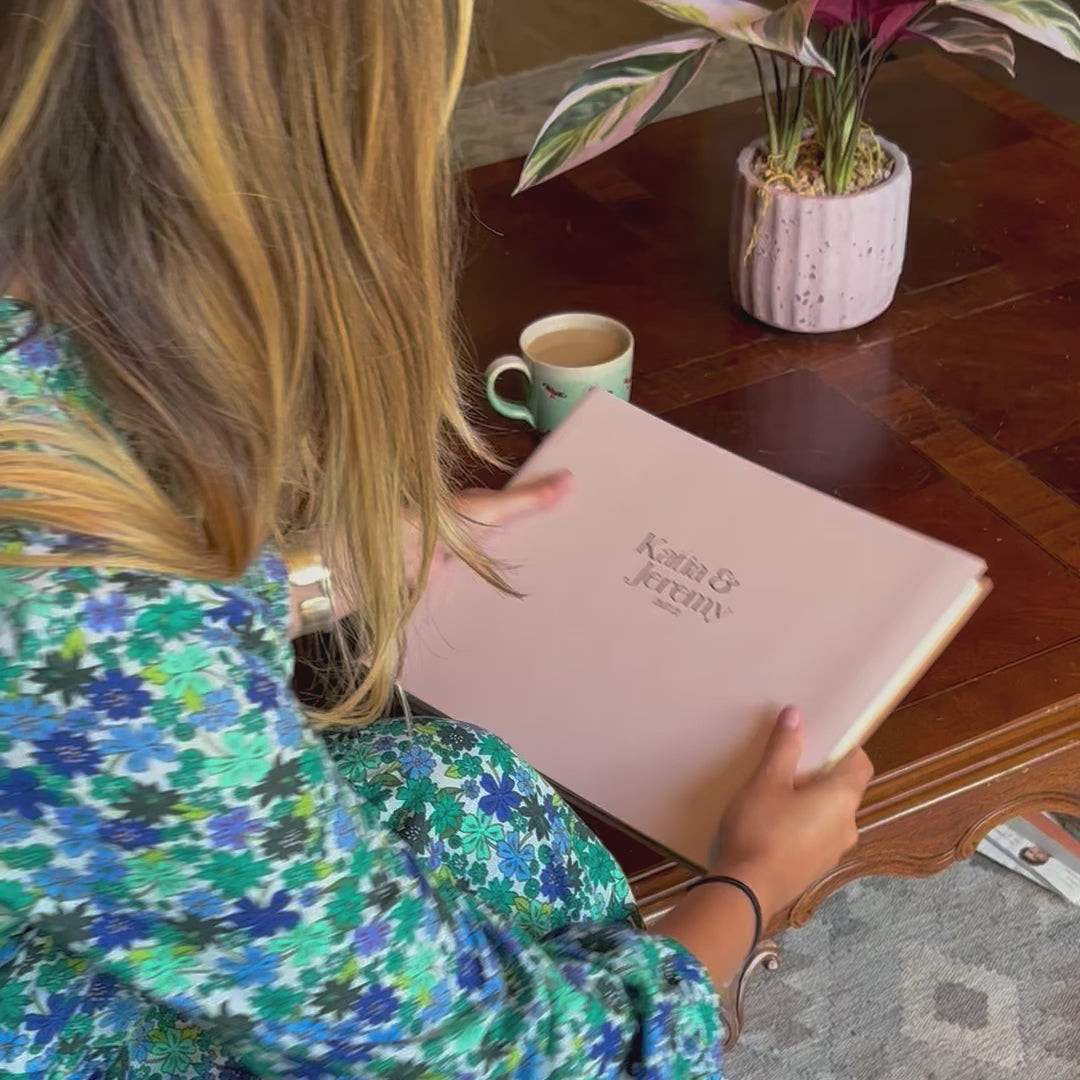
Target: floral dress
<point x="193" y="883"/>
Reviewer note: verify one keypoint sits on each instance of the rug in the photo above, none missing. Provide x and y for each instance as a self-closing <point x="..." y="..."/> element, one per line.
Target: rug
<point x="500" y="119"/>
<point x="970" y="975"/>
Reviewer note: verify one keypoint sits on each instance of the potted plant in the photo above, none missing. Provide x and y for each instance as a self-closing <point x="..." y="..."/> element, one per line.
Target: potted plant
<point x="819" y="220"/>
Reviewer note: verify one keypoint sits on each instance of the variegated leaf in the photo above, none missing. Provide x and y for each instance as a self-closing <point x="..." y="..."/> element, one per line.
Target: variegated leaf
<point x="1052" y="23"/>
<point x="611" y="101"/>
<point x="889" y="23"/>
<point x="783" y="30"/>
<point x="969" y="37"/>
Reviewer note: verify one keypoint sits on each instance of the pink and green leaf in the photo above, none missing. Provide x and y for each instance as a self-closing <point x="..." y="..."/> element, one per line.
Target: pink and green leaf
<point x="784" y="30"/>
<point x="611" y="101"/>
<point x="889" y="21"/>
<point x="968" y="37"/>
<point x="1052" y="23"/>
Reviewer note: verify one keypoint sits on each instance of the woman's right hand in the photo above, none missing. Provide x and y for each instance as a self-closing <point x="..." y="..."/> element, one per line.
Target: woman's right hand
<point x="780" y="835"/>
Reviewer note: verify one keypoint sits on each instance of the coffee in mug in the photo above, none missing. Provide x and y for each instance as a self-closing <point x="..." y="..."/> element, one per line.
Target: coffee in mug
<point x="563" y="357"/>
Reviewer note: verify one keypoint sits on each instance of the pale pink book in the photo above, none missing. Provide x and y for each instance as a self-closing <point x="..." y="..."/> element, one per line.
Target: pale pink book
<point x="670" y="606"/>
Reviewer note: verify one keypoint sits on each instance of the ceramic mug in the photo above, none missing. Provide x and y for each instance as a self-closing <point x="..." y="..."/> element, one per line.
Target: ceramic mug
<point x="563" y="357"/>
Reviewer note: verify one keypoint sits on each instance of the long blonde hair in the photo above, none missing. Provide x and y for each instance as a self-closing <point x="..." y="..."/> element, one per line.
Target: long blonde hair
<point x="242" y="211"/>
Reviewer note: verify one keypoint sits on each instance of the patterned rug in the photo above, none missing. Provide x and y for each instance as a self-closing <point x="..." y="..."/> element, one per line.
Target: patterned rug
<point x="972" y="975"/>
<point x="500" y="119"/>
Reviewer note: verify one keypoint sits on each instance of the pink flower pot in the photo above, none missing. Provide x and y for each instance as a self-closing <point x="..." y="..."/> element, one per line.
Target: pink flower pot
<point x="818" y="263"/>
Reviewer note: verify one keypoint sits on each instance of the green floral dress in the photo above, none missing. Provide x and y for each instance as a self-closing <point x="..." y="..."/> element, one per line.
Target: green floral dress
<point x="195" y="884"/>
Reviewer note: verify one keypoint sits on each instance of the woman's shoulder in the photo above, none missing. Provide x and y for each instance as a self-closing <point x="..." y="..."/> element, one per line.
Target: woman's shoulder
<point x="139" y="603"/>
<point x="121" y="638"/>
<point x="43" y="376"/>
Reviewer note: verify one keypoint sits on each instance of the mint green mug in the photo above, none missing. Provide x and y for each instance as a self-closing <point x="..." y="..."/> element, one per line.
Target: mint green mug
<point x="563" y="357"/>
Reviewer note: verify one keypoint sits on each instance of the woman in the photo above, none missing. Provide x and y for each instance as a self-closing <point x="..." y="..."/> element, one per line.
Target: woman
<point x="227" y="254"/>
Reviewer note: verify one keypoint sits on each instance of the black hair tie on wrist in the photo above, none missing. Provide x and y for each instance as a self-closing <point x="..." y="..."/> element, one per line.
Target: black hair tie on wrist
<point x="735" y="883"/>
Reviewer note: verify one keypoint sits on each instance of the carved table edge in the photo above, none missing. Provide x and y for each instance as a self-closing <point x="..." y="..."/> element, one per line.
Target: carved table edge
<point x="1012" y="746"/>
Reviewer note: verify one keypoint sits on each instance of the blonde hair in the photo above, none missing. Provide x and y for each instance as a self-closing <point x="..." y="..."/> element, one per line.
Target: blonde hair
<point x="242" y="211"/>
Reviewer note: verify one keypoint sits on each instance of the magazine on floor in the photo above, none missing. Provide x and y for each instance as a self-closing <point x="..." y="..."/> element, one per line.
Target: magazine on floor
<point x="1044" y="848"/>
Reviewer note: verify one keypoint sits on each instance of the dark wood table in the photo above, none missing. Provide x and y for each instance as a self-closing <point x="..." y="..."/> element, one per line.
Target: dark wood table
<point x="956" y="413"/>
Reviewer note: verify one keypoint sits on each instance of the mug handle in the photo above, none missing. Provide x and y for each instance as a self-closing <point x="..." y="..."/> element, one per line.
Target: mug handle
<point x="513" y="410"/>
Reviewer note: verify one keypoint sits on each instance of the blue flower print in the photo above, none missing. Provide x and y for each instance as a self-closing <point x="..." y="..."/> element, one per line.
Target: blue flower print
<point x="253" y="967"/>
<point x="119" y="696"/>
<point x="103" y="988"/>
<point x="442" y="1001"/>
<point x="683" y="967"/>
<point x="523" y="780"/>
<point x="515" y="856"/>
<point x="142" y="743"/>
<point x="343" y="827"/>
<point x="371" y="937"/>
<point x="108" y="614"/>
<point x="119" y="929"/>
<point x="78" y="825"/>
<point x="235" y="612"/>
<point x="14" y="830"/>
<point x="377" y="1005"/>
<point x="436" y="854"/>
<point x="470" y="788"/>
<point x="215" y="635"/>
<point x="309" y="1070"/>
<point x="288" y="731"/>
<point x="203" y="902"/>
<point x="308" y="1029"/>
<point x="264" y="921"/>
<point x="231" y="830"/>
<point x="607" y="1047"/>
<point x="123" y="1013"/>
<point x="85" y="720"/>
<point x="39" y="353"/>
<point x="501" y="799"/>
<point x="105" y="867"/>
<point x="128" y="834"/>
<point x="470" y="975"/>
<point x="417" y="762"/>
<point x="27" y="718"/>
<point x="219" y="709"/>
<point x="262" y="690"/>
<point x="61" y="1009"/>
<point x="21" y="791"/>
<point x="555" y="882"/>
<point x="12" y="1044"/>
<point x="60" y="882"/>
<point x="68" y="754"/>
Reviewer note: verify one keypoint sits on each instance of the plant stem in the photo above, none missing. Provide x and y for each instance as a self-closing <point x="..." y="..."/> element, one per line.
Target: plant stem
<point x="766" y="99"/>
<point x="798" y="122"/>
<point x="781" y="102"/>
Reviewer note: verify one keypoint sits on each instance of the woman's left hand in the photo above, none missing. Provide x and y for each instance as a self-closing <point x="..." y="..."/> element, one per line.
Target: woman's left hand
<point x="483" y="508"/>
<point x="490" y="509"/>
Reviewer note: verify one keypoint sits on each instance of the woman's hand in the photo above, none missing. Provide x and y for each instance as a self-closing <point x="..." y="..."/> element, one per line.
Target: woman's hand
<point x="482" y="507"/>
<point x="779" y="836"/>
<point x="490" y="509"/>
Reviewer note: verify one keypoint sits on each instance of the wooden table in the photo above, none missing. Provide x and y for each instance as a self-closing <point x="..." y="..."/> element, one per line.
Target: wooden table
<point x="956" y="413"/>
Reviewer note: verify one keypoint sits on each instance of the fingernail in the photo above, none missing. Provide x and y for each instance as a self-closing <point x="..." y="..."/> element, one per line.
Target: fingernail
<point x="560" y="482"/>
<point x="791" y="719"/>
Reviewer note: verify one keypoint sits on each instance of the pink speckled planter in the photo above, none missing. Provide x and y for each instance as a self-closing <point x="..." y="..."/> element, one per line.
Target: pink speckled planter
<point x="820" y="263"/>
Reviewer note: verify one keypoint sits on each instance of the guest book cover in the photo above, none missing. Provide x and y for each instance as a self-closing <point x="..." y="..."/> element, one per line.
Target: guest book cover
<point x="670" y="606"/>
